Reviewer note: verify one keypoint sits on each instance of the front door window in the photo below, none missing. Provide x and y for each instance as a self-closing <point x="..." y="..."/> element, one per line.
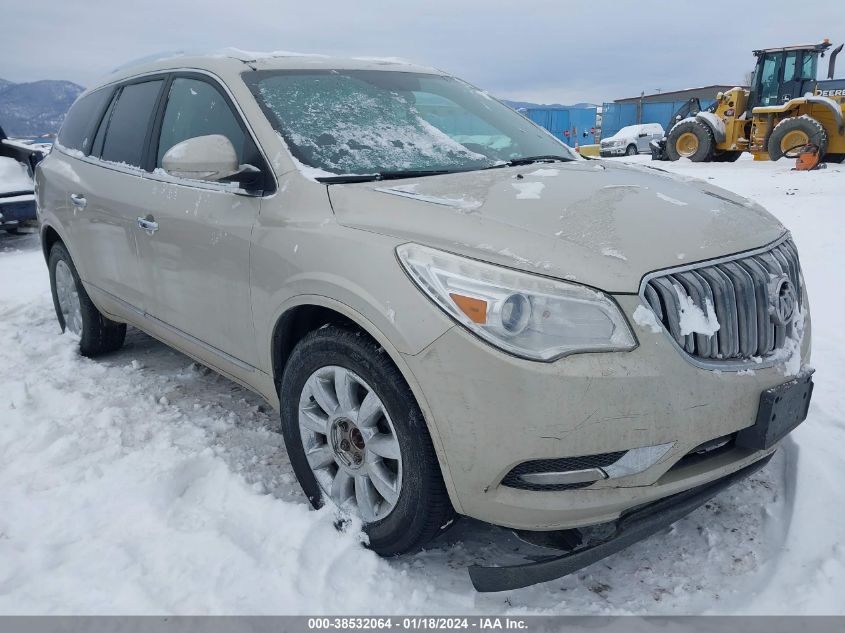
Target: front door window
<point x="196" y="108"/>
<point x="770" y="79"/>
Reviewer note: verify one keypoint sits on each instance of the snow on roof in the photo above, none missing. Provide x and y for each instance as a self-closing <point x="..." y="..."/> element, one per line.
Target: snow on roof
<point x="267" y="59"/>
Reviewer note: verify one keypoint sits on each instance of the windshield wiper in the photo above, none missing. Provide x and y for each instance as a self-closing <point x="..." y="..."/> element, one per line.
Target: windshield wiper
<point x="527" y="160"/>
<point x="383" y="175"/>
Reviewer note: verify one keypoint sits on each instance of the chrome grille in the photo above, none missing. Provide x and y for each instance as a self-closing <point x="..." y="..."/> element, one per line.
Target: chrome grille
<point x="737" y="288"/>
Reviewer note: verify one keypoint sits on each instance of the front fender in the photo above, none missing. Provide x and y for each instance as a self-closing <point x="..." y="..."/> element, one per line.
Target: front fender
<point x="714" y="123"/>
<point x="794" y="104"/>
<point x="375" y="331"/>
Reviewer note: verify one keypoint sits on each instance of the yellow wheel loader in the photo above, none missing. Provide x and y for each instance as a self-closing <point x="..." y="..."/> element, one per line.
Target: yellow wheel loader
<point x="785" y="109"/>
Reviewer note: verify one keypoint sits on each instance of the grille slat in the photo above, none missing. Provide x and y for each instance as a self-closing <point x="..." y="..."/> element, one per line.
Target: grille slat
<point x="738" y="292"/>
<point x="669" y="300"/>
<point x="765" y="327"/>
<point x="746" y="307"/>
<point x="724" y="301"/>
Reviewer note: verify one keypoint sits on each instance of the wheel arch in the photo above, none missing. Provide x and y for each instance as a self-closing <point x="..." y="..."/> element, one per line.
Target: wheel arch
<point x="49" y="236"/>
<point x="307" y="313"/>
<point x="297" y="321"/>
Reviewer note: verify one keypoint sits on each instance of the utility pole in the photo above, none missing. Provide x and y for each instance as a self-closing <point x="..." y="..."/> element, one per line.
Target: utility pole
<point x="640" y="108"/>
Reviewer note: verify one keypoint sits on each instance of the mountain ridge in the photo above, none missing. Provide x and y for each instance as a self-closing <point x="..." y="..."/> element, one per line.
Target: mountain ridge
<point x="35" y="108"/>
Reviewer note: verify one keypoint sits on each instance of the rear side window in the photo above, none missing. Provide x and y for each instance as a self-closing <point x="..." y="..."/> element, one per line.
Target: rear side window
<point x="126" y="134"/>
<point x="196" y="108"/>
<point x="78" y="128"/>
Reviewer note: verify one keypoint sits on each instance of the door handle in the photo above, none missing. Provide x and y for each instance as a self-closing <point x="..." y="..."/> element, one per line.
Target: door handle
<point x="148" y="224"/>
<point x="78" y="200"/>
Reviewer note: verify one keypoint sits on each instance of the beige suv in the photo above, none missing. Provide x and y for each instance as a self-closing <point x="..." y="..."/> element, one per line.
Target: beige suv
<point x="452" y="312"/>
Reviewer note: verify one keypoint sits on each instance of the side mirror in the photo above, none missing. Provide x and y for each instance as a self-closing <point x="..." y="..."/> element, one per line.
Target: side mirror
<point x="210" y="157"/>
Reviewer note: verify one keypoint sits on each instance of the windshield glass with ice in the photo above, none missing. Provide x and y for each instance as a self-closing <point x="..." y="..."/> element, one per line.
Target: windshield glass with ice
<point x="368" y="122"/>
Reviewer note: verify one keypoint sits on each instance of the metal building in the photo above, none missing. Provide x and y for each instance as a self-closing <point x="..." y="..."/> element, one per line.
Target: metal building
<point x="653" y="108"/>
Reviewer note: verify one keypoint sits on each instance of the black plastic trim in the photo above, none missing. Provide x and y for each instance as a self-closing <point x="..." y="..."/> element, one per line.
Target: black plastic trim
<point x="633" y="526"/>
<point x="514" y="477"/>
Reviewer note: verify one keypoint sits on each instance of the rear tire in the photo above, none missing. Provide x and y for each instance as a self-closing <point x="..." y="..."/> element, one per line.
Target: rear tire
<point x="631" y="150"/>
<point x="690" y="139"/>
<point x="75" y="310"/>
<point x="796" y="131"/>
<point x="422" y="508"/>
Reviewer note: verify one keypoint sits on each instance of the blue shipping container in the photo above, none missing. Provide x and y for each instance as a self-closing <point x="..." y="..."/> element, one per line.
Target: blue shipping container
<point x="570" y="125"/>
<point x="615" y="116"/>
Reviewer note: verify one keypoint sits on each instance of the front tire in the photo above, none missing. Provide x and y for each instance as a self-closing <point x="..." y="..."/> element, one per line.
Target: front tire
<point x="631" y="150"/>
<point x="690" y="139"/>
<point x="356" y="438"/>
<point x="795" y="132"/>
<point x="75" y="310"/>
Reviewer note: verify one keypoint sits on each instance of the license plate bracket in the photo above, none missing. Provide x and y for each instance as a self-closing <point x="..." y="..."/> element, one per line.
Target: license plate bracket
<point x="781" y="409"/>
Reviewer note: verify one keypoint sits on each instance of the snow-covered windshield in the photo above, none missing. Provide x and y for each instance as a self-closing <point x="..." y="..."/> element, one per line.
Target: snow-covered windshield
<point x="366" y="122"/>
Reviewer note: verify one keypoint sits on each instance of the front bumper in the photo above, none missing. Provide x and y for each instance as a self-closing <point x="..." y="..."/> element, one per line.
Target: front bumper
<point x="15" y="210"/>
<point x="633" y="526"/>
<point x="612" y="151"/>
<point x="492" y="412"/>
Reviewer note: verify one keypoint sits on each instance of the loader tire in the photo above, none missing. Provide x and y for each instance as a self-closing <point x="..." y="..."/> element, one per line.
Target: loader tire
<point x="794" y="132"/>
<point x="691" y="139"/>
<point x="834" y="158"/>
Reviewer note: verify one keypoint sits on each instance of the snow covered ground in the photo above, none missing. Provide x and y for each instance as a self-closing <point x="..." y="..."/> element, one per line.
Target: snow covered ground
<point x="143" y="483"/>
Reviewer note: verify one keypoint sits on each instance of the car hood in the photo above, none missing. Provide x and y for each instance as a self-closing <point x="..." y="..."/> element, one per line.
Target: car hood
<point x="590" y="221"/>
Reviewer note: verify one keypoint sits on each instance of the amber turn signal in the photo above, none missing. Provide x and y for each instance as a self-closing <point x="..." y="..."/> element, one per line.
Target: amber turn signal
<point x="475" y="309"/>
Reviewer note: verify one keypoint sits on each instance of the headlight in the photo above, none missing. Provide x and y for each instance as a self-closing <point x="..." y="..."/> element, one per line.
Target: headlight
<point x="527" y="315"/>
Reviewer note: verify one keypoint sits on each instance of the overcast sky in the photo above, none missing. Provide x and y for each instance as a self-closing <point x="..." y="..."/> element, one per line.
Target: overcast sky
<point x="535" y="50"/>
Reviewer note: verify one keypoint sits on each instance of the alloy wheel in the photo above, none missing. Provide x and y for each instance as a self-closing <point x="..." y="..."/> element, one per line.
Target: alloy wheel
<point x="68" y="297"/>
<point x="350" y="442"/>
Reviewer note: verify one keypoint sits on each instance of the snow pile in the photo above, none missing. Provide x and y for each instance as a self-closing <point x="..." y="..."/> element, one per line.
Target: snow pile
<point x="14" y="176"/>
<point x="410" y="191"/>
<point x="139" y="483"/>
<point x="694" y="320"/>
<point x="607" y="251"/>
<point x="670" y="200"/>
<point x="528" y="190"/>
<point x="544" y="173"/>
<point x="646" y="318"/>
<point x="790" y="353"/>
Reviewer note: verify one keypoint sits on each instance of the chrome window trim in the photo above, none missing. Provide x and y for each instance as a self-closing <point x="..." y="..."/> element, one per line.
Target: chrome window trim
<point x="167" y="178"/>
<point x="714" y="365"/>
